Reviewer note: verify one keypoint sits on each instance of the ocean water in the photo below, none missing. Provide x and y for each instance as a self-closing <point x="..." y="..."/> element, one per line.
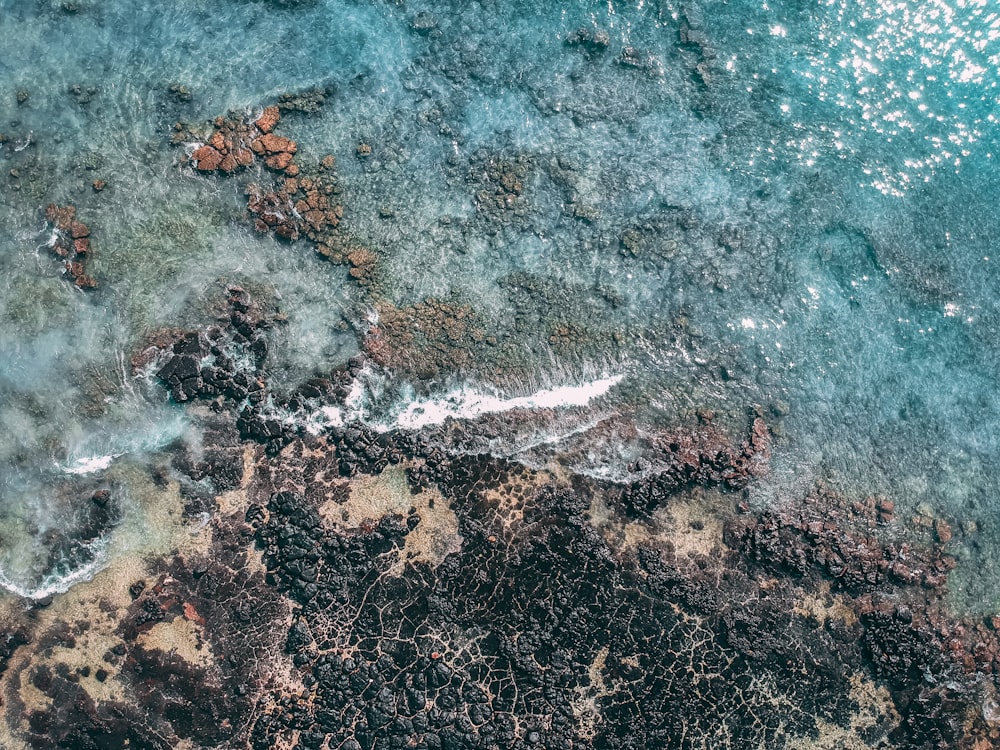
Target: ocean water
<point x="786" y="204"/>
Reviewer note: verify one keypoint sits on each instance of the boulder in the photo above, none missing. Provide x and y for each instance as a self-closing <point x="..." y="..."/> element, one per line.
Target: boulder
<point x="273" y="144"/>
<point x="206" y="159"/>
<point x="268" y="119"/>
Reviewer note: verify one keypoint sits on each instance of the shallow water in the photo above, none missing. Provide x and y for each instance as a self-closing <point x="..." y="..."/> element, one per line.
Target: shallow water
<point x="772" y="202"/>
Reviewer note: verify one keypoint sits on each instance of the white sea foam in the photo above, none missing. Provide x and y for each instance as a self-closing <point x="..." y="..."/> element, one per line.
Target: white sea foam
<point x="463" y="403"/>
<point x="56" y="585"/>
<point x="467" y="403"/>
<point x="89" y="465"/>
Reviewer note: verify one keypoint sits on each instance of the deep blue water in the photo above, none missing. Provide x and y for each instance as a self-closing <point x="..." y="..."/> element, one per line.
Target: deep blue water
<point x="812" y="186"/>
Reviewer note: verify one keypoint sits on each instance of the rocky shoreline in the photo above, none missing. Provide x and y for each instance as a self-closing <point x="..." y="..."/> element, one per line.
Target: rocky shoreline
<point x="356" y="589"/>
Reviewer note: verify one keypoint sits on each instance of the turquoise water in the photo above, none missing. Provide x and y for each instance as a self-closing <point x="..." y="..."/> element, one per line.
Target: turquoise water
<point x="766" y="202"/>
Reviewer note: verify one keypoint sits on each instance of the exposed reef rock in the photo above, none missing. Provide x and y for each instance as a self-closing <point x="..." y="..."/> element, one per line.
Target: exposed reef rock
<point x="224" y="362"/>
<point x="304" y="207"/>
<point x="234" y="143"/>
<point x="703" y="456"/>
<point x="419" y="595"/>
<point x="71" y="243"/>
<point x="425" y="339"/>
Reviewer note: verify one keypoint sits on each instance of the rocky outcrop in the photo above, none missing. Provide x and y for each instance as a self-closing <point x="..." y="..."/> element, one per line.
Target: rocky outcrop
<point x="304" y="207"/>
<point x="71" y="244"/>
<point x="223" y="363"/>
<point x="702" y="456"/>
<point x="235" y="143"/>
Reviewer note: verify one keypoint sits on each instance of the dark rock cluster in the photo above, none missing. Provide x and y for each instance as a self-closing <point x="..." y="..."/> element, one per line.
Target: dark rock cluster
<point x="226" y="361"/>
<point x="703" y="456"/>
<point x="813" y="537"/>
<point x="170" y="699"/>
<point x="501" y="185"/>
<point x="592" y="41"/>
<point x="535" y="634"/>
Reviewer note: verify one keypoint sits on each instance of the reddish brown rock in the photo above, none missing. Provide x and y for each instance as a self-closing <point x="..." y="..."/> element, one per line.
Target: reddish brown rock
<point x="287" y="231"/>
<point x="206" y="159"/>
<point x="268" y="119"/>
<point x="942" y="530"/>
<point x="98" y="185"/>
<point x="244" y="157"/>
<point x="279" y="161"/>
<point x="71" y="243"/>
<point x="60" y="216"/>
<point x="273" y="144"/>
<point x="85" y="282"/>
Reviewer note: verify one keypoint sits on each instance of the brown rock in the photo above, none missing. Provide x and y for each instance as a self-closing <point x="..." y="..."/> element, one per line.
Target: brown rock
<point x="287" y="231"/>
<point x="206" y="159"/>
<point x="328" y="162"/>
<point x="99" y="185"/>
<point x="244" y="157"/>
<point x="75" y="269"/>
<point x="274" y="144"/>
<point x="81" y="246"/>
<point x="292" y="169"/>
<point x="85" y="282"/>
<point x="279" y="161"/>
<point x="268" y="119"/>
<point x="228" y="163"/>
<point x="78" y="229"/>
<point x="942" y="530"/>
<point x="218" y="141"/>
<point x="61" y="216"/>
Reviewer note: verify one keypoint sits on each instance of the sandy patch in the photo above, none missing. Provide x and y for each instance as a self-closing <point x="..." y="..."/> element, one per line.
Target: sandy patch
<point x="372" y="497"/>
